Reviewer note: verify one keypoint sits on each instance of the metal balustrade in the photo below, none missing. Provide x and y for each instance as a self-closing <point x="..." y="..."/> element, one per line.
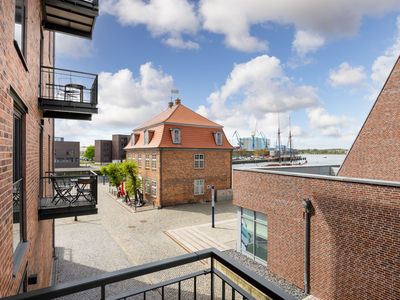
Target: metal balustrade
<point x="68" y="194"/>
<point x="219" y="277"/>
<point x="67" y="94"/>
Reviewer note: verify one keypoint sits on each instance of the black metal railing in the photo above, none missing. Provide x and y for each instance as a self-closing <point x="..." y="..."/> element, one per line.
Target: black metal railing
<point x="67" y="85"/>
<point x="17" y="199"/>
<point x="220" y="275"/>
<point x="68" y="189"/>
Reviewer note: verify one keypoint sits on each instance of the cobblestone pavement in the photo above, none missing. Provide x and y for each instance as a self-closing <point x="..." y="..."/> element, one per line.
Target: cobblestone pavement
<point x="117" y="238"/>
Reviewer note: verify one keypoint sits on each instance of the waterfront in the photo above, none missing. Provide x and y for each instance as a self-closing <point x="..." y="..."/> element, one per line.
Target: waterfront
<point x="312" y="159"/>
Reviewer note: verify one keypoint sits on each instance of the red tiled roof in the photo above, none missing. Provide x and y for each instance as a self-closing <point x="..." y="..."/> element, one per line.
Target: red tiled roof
<point x="196" y="131"/>
<point x="178" y="114"/>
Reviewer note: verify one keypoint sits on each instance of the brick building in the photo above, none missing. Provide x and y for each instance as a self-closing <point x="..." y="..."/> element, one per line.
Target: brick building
<point x="30" y="97"/>
<point x="102" y="151"/>
<point x="119" y="142"/>
<point x="179" y="153"/>
<point x="107" y="151"/>
<point x="66" y="153"/>
<point x="344" y="242"/>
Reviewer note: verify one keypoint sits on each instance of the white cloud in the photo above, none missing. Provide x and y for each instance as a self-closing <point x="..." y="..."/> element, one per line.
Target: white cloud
<point x="254" y="94"/>
<point x="263" y="88"/>
<point x="324" y="19"/>
<point x="346" y="75"/>
<point x="124" y="102"/>
<point x="328" y="124"/>
<point x="382" y="65"/>
<point x="178" y="42"/>
<point x="170" y="19"/>
<point x="68" y="45"/>
<point x="307" y="42"/>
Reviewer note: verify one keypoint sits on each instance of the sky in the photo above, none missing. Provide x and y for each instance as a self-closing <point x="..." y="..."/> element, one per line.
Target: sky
<point x="248" y="65"/>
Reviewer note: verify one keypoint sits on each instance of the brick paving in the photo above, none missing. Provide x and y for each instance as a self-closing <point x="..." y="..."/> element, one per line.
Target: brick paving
<point x="117" y="237"/>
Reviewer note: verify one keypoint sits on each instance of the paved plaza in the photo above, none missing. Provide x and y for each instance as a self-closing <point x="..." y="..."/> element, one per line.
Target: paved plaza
<point x="117" y="238"/>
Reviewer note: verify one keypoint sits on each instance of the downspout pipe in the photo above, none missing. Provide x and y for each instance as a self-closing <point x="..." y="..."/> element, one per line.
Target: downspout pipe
<point x="307" y="214"/>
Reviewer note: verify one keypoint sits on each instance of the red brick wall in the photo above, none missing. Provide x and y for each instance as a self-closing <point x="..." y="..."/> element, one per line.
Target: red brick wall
<point x="25" y="83"/>
<point x="354" y="232"/>
<point x="375" y="153"/>
<point x="178" y="174"/>
<point x="149" y="173"/>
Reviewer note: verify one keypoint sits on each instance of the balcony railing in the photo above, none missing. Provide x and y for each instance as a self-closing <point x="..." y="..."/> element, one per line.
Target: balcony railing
<point x="67" y="94"/>
<point x="17" y="199"/>
<point x="76" y="17"/>
<point x="68" y="194"/>
<point x="220" y="277"/>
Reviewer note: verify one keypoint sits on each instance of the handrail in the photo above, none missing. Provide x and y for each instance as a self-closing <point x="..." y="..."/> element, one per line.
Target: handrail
<point x="66" y="70"/>
<point x="102" y="280"/>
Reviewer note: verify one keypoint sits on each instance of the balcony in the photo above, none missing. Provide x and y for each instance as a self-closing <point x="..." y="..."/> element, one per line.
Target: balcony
<point x="66" y="94"/>
<point x="220" y="277"/>
<point x="67" y="195"/>
<point x="76" y="17"/>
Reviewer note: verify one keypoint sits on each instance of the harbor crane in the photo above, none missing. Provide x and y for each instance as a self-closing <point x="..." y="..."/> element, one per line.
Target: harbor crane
<point x="238" y="139"/>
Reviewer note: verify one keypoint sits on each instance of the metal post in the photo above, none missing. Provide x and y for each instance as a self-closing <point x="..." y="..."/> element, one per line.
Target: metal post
<point x="212" y="206"/>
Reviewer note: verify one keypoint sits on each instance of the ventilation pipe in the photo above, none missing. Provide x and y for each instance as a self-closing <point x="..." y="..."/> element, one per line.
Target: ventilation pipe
<point x="307" y="214"/>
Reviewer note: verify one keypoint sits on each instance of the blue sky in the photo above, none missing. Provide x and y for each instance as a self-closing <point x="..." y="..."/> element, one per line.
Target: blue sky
<point x="322" y="63"/>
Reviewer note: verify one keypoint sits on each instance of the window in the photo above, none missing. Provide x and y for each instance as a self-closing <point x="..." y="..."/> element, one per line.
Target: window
<point x="146" y="137"/>
<point x="254" y="234"/>
<point x="199" y="161"/>
<point x="154" y="161"/>
<point x="147" y="162"/>
<point x="154" y="188"/>
<point x="18" y="180"/>
<point x="19" y="25"/>
<point x="218" y="138"/>
<point x="199" y="186"/>
<point x="147" y="186"/>
<point x="139" y="160"/>
<point x="176" y="136"/>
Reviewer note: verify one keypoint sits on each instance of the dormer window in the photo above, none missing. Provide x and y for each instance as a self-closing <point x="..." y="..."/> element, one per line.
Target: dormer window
<point x="146" y="137"/>
<point x="176" y="135"/>
<point x="218" y="138"/>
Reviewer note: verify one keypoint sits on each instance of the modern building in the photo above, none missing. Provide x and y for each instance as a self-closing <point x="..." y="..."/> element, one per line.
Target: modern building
<point x="335" y="236"/>
<point x="32" y="94"/>
<point x="254" y="143"/>
<point x="107" y="151"/>
<point x="180" y="154"/>
<point x="66" y="153"/>
<point x="102" y="151"/>
<point x="119" y="142"/>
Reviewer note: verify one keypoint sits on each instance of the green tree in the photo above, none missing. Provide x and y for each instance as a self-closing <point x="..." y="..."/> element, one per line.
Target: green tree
<point x="114" y="172"/>
<point x="130" y="170"/>
<point x="89" y="153"/>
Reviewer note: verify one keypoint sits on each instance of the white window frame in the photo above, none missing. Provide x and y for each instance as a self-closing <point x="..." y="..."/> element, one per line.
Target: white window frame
<point x="176" y="135"/>
<point x="146" y="137"/>
<point x="198" y="187"/>
<point x="218" y="138"/>
<point x="147" y="186"/>
<point x="139" y="160"/>
<point x="154" y="161"/>
<point x="198" y="161"/>
<point x="147" y="161"/>
<point x="154" y="188"/>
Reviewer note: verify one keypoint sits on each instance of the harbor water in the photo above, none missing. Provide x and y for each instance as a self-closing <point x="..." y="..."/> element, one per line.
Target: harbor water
<point x="312" y="159"/>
